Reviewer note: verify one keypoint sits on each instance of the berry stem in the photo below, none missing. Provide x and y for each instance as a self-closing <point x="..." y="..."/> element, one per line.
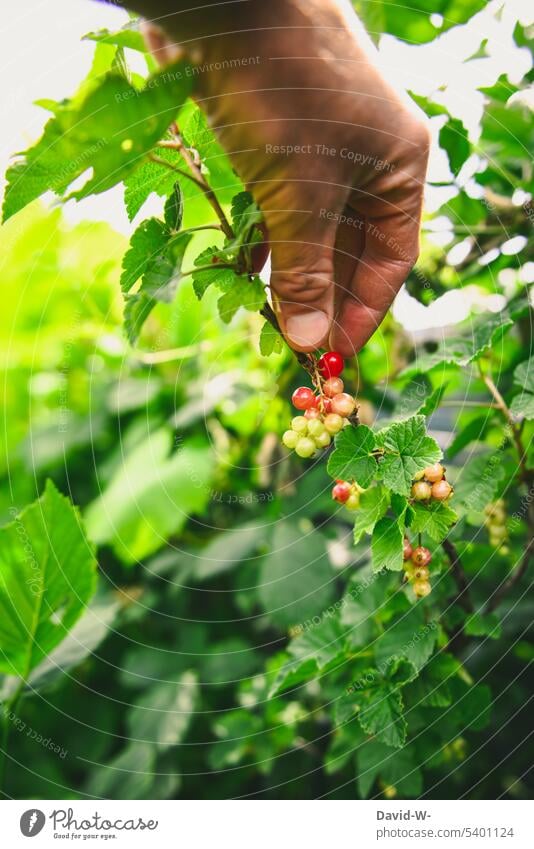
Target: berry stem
<point x="514" y="428"/>
<point x="514" y="579"/>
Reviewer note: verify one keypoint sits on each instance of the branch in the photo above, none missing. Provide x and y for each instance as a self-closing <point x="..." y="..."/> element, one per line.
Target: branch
<point x="501" y="404"/>
<point x="514" y="579"/>
<point x="463" y="596"/>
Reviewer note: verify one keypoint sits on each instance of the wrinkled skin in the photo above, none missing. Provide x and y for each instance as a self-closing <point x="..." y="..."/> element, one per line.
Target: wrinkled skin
<point x="315" y="81"/>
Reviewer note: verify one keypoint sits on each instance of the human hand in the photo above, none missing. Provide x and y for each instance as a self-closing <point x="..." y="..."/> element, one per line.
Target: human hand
<point x="333" y="154"/>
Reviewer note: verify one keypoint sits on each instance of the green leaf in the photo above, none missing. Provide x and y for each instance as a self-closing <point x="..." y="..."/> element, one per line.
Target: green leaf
<point x="479" y="335"/>
<point x="407" y="636"/>
<point x="454" y="139"/>
<point x="214" y="274"/>
<point x="352" y="458"/>
<point x="478" y="482"/>
<point x="381" y="713"/>
<point x="407" y="450"/>
<point x="298" y="584"/>
<point x="151" y="177"/>
<point x="374" y="503"/>
<point x="151" y="495"/>
<point x="434" y="519"/>
<point x="107" y="132"/>
<point x="483" y="625"/>
<point x="47" y="576"/>
<point x="129" y="36"/>
<point x="270" y="340"/>
<point x="91" y="629"/>
<point x="229" y="549"/>
<point x="398" y="770"/>
<point x="241" y="292"/>
<point x="322" y="641"/>
<point x="156" y="255"/>
<point x="163" y="714"/>
<point x="387" y="545"/>
<point x="128" y="776"/>
<point x="174" y="208"/>
<point x="293" y="674"/>
<point x="523" y="404"/>
<point x="146" y="243"/>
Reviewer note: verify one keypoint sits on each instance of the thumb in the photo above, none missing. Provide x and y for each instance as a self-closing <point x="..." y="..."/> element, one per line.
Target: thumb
<point x="302" y="281"/>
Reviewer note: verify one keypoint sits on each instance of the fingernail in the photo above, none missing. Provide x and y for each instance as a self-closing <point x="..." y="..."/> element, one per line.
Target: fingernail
<point x="307" y="328"/>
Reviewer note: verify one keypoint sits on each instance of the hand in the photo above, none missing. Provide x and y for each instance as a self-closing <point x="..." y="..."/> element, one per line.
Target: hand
<point x="333" y="154"/>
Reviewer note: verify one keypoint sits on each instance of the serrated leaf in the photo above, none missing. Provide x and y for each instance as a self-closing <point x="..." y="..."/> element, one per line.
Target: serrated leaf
<point x="480" y="335"/>
<point x="483" y="625"/>
<point x="174" y="208"/>
<point x="352" y="458"/>
<point x="47" y="576"/>
<point x="292" y="674"/>
<point x="407" y="636"/>
<point x="387" y="545"/>
<point x="129" y="36"/>
<point x="374" y="503"/>
<point x="137" y="308"/>
<point x="398" y="770"/>
<point x="270" y="340"/>
<point x="146" y="243"/>
<point x="381" y="714"/>
<point x="241" y="292"/>
<point x="107" y="132"/>
<point x="323" y="641"/>
<point x="434" y="519"/>
<point x="523" y="404"/>
<point x="211" y="271"/>
<point x="407" y="450"/>
<point x="150" y="177"/>
<point x="478" y="482"/>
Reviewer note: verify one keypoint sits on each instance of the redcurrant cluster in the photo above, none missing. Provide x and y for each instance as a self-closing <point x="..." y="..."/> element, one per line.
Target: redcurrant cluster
<point x="495" y="522"/>
<point x="347" y="493"/>
<point x="416" y="562"/>
<point x="431" y="484"/>
<point x="325" y="409"/>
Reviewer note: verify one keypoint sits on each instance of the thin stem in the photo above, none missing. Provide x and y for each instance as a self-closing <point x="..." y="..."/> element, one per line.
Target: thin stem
<point x="451" y="403"/>
<point x="178" y="145"/>
<point x="501" y="404"/>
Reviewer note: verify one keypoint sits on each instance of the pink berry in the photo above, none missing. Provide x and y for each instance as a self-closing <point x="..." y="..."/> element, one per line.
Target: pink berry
<point x="333" y="386"/>
<point x="341" y="491"/>
<point x="303" y="398"/>
<point x="421" y="556"/>
<point x="434" y="473"/>
<point x="331" y="364"/>
<point x="312" y="413"/>
<point x="343" y="404"/>
<point x="407" y="550"/>
<point x="441" y="490"/>
<point x="421" y="491"/>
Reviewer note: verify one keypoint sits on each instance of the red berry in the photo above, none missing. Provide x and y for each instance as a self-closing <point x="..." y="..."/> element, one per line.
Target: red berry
<point x="407" y="550"/>
<point x="421" y="556"/>
<point x="303" y="398"/>
<point x="312" y="413"/>
<point x="331" y="364"/>
<point x="341" y="491"/>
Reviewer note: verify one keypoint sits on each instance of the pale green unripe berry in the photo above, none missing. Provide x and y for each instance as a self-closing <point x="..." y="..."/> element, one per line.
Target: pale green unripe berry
<point x="333" y="423"/>
<point x="353" y="501"/>
<point x="300" y="425"/>
<point x="305" y="447"/>
<point x="323" y="440"/>
<point x="315" y="428"/>
<point x="290" y="439"/>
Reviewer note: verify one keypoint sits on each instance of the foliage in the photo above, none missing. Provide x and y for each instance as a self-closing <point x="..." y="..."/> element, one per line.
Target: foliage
<point x="241" y="625"/>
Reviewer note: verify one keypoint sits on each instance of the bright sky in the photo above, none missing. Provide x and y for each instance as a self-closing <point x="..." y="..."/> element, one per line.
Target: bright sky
<point x="41" y="55"/>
